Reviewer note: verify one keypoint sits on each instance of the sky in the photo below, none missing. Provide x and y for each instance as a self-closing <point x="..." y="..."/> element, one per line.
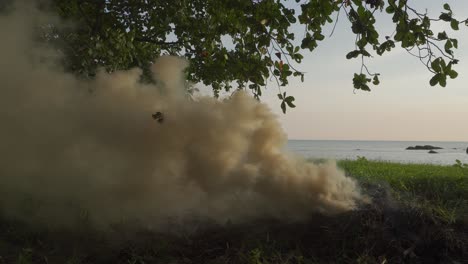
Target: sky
<point x="403" y="107"/>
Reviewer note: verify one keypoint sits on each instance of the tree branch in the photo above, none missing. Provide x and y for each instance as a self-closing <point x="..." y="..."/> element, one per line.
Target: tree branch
<point x="152" y="41"/>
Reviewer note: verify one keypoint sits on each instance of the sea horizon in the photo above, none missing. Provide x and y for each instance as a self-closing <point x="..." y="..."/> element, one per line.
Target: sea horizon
<point x="377" y="140"/>
<point x="382" y="150"/>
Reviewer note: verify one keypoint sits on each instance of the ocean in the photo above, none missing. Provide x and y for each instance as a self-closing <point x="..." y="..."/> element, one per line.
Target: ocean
<point x="394" y="151"/>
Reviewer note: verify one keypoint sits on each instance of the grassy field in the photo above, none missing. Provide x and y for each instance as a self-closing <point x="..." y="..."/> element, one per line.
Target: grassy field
<point x="419" y="214"/>
<point x="440" y="190"/>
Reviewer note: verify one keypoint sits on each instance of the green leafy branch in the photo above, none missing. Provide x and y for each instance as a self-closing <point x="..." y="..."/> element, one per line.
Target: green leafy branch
<point x="286" y="101"/>
<point x="413" y="32"/>
<point x="242" y="44"/>
<point x="362" y="24"/>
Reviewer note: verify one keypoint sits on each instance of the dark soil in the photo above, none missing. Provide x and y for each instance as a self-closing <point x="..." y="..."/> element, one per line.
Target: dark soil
<point x="384" y="232"/>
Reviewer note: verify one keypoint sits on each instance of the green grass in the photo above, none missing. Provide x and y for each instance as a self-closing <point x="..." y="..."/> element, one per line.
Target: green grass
<point x="419" y="215"/>
<point x="441" y="189"/>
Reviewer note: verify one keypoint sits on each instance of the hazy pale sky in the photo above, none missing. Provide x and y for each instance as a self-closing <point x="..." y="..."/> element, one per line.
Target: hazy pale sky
<point x="403" y="107"/>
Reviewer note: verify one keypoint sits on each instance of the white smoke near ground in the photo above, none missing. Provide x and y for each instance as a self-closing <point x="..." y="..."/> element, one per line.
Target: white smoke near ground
<point x="66" y="151"/>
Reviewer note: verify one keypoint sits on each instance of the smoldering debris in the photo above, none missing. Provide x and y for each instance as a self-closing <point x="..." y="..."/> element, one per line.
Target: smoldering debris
<point x="158" y="116"/>
<point x="66" y="152"/>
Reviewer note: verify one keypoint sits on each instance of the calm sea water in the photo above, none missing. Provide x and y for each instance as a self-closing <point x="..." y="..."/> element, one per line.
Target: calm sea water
<point x="380" y="150"/>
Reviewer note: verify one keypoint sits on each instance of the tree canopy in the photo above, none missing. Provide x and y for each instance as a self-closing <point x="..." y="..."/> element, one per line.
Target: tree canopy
<point x="242" y="44"/>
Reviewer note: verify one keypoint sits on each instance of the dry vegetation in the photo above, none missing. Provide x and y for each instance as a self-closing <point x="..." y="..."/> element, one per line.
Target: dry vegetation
<point x="419" y="215"/>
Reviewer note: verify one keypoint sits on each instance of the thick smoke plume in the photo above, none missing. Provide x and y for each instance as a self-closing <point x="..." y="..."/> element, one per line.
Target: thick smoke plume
<point x="71" y="147"/>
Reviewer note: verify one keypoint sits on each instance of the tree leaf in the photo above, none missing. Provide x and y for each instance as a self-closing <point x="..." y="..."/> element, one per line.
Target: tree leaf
<point x="283" y="107"/>
<point x="448" y="45"/>
<point x="442" y="35"/>
<point x="435" y="65"/>
<point x="454" y="24"/>
<point x="390" y="9"/>
<point x="352" y="54"/>
<point x="289" y="100"/>
<point x="365" y="53"/>
<point x="453" y="74"/>
<point x="434" y="80"/>
<point x="445" y="17"/>
<point x="443" y="80"/>
<point x="375" y="80"/>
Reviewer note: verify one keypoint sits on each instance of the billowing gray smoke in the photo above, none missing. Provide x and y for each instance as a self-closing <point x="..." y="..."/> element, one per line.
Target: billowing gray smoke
<point x="65" y="151"/>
